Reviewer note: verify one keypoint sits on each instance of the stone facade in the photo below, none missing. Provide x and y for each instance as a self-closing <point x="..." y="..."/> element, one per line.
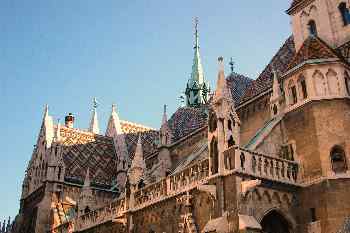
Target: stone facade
<point x="266" y="155"/>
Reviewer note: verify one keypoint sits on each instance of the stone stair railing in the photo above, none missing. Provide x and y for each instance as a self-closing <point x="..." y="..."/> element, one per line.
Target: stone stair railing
<point x="180" y="182"/>
<point x="100" y="216"/>
<point x="262" y="166"/>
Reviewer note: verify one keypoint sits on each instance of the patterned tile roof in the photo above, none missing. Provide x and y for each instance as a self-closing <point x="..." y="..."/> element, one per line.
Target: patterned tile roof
<point x="313" y="48"/>
<point x="280" y="62"/>
<point x="130" y="127"/>
<point x="82" y="150"/>
<point x="149" y="140"/>
<point x="185" y="120"/>
<point x="238" y="84"/>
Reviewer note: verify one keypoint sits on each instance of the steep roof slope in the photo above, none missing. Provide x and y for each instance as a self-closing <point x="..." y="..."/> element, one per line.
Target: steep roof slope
<point x="238" y="84"/>
<point x="280" y="62"/>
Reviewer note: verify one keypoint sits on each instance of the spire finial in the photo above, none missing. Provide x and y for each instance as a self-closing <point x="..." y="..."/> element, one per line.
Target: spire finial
<point x="114" y="108"/>
<point x="196" y="46"/>
<point x="94" y="122"/>
<point x="46" y="110"/>
<point x="94" y="103"/>
<point x="232" y="64"/>
<point x="165" y="117"/>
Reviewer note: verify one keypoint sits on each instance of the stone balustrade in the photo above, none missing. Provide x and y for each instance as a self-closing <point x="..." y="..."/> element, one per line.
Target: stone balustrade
<point x="262" y="166"/>
<point x="182" y="181"/>
<point x="96" y="217"/>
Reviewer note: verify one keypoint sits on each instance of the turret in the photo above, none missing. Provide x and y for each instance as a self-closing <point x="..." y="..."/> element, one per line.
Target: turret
<point x="94" y="121"/>
<point x="224" y="124"/>
<point x="276" y="97"/>
<point x="114" y="130"/>
<point x="165" y="135"/>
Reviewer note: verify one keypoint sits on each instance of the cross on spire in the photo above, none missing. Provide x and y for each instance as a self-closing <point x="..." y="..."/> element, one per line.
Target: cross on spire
<point x="95" y="103"/>
<point x="232" y="65"/>
<point x="196" y="32"/>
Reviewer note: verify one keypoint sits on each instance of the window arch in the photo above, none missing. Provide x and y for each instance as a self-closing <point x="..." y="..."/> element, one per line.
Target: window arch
<point x="333" y="83"/>
<point x="302" y="87"/>
<point x="292" y="93"/>
<point x="212" y="121"/>
<point x="214" y="154"/>
<point x="344" y="11"/>
<point x="338" y="159"/>
<point x="312" y="27"/>
<point x="347" y="82"/>
<point x="319" y="83"/>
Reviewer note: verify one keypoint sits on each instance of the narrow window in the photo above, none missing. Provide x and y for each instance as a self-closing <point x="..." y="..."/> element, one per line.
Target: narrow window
<point x="338" y="160"/>
<point x="294" y="95"/>
<point x="303" y="88"/>
<point x="312" y="28"/>
<point x="344" y="11"/>
<point x="313" y="215"/>
<point x="229" y="125"/>
<point x="231" y="141"/>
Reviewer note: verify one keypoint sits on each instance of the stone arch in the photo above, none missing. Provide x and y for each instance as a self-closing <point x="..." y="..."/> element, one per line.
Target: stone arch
<point x="285" y="199"/>
<point x="276" y="197"/>
<point x="333" y="82"/>
<point x="256" y="193"/>
<point x="267" y="196"/>
<point x="319" y="83"/>
<point x="274" y="220"/>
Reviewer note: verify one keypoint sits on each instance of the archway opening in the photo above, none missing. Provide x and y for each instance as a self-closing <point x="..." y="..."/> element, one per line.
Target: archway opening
<point x="274" y="222"/>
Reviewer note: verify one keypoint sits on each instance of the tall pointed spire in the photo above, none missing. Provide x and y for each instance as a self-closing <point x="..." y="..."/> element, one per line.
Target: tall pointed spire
<point x="138" y="165"/>
<point x="196" y="89"/>
<point x="165" y="116"/>
<point x="47" y="127"/>
<point x="94" y="121"/>
<point x="222" y="90"/>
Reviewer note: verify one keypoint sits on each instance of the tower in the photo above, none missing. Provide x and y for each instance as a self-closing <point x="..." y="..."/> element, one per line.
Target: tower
<point x="197" y="88"/>
<point x="224" y="124"/>
<point x="327" y="19"/>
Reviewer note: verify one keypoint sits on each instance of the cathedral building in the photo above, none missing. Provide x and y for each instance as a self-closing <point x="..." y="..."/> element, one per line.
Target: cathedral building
<point x="270" y="155"/>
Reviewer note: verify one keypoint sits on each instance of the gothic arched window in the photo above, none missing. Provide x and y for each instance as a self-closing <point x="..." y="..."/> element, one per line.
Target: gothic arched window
<point x="302" y="87"/>
<point x="312" y="28"/>
<point x="214" y="155"/>
<point x="344" y="11"/>
<point x="347" y="83"/>
<point x="338" y="159"/>
<point x="292" y="93"/>
<point x="212" y="122"/>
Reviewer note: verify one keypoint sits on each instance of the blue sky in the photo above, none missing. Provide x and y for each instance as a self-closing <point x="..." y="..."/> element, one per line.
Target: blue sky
<point x="137" y="54"/>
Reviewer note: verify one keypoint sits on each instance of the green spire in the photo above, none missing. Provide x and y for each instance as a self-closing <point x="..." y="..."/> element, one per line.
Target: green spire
<point x="197" y="88"/>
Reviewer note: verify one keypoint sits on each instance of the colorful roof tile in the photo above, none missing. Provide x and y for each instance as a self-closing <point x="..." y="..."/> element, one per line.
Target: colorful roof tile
<point x="185" y="120"/>
<point x="149" y="141"/>
<point x="82" y="150"/>
<point x="313" y="48"/>
<point x="280" y="62"/>
<point x="238" y="84"/>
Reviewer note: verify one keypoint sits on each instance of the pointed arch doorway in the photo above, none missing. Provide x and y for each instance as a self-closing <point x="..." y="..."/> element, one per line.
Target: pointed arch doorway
<point x="274" y="222"/>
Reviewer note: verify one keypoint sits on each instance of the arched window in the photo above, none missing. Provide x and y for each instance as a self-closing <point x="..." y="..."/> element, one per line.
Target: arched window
<point x="302" y="87"/>
<point x="292" y="93"/>
<point x="214" y="155"/>
<point x="344" y="11"/>
<point x="347" y="82"/>
<point x="212" y="122"/>
<point x="275" y="109"/>
<point x="231" y="141"/>
<point x="312" y="28"/>
<point x="338" y="160"/>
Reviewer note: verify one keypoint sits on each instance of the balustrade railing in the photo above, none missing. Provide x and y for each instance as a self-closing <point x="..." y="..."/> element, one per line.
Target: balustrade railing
<point x="265" y="166"/>
<point x="171" y="185"/>
<point x="99" y="216"/>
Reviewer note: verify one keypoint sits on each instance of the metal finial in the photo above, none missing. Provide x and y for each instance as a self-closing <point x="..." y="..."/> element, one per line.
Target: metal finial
<point x="232" y="65"/>
<point x="165" y="107"/>
<point x="95" y="103"/>
<point x="196" y="32"/>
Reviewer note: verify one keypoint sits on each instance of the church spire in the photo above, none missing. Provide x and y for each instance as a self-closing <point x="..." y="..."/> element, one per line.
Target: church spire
<point x="94" y="121"/>
<point x="197" y="89"/>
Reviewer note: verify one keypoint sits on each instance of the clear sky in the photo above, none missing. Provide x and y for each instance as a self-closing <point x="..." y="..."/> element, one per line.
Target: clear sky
<point x="137" y="54"/>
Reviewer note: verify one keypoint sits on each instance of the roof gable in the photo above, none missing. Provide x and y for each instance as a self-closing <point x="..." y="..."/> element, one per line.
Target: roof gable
<point x="313" y="48"/>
